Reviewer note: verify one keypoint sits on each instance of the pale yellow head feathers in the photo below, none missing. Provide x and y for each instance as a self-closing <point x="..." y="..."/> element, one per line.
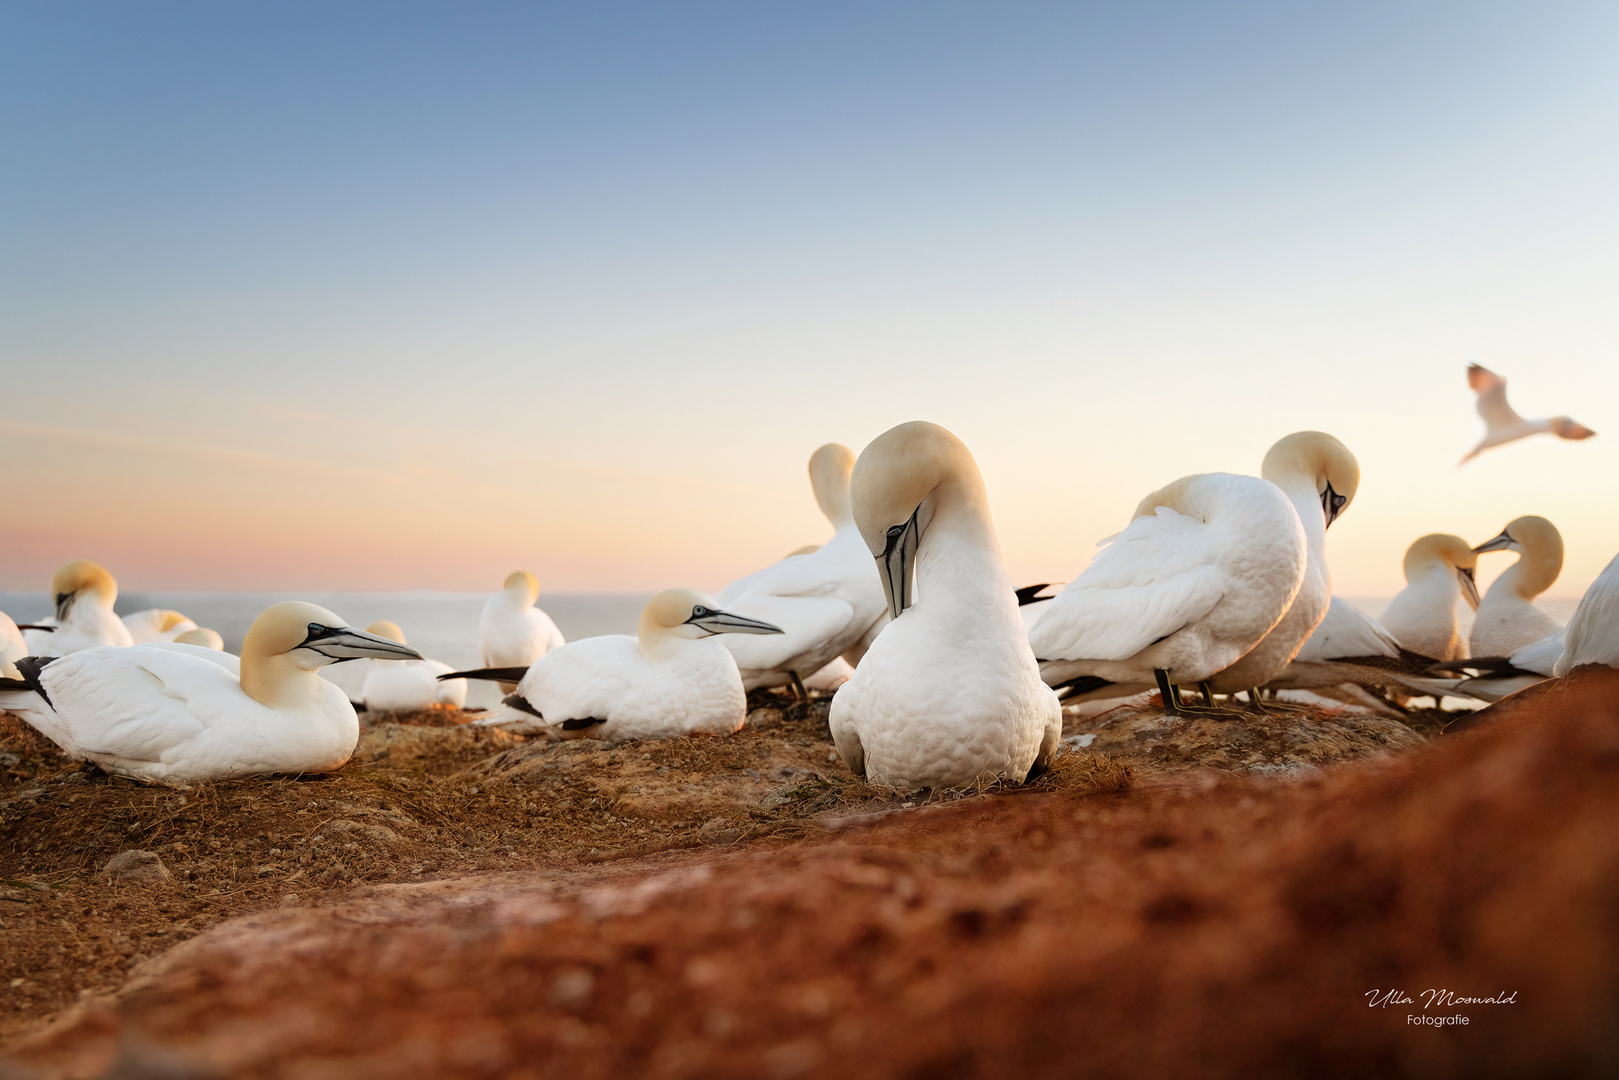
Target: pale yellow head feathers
<point x="1540" y="552"/>
<point x="900" y="469"/>
<point x="1173" y="495"/>
<point x="1445" y="548"/>
<point x="671" y="608"/>
<point x="281" y="628"/>
<point x="829" y="469"/>
<point x="527" y="582"/>
<point x="389" y="630"/>
<point x="81" y="576"/>
<point x="1322" y="459"/>
<point x="168" y="620"/>
<point x="206" y="638"/>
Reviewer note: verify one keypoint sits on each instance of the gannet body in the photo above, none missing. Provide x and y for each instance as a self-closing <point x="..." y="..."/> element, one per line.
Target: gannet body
<point x="671" y="679"/>
<point x="1422" y="616"/>
<point x="825" y="600"/>
<point x="83" y="593"/>
<point x="1502" y="424"/>
<point x="512" y="632"/>
<point x="407" y="685"/>
<point x="836" y="672"/>
<point x="201" y="636"/>
<point x="949" y="694"/>
<point x="1535" y="662"/>
<point x="1507" y="617"/>
<point x="156" y="624"/>
<point x="160" y="712"/>
<point x="1592" y="634"/>
<point x="1350" y="646"/>
<point x="12" y="646"/>
<point x="1205" y="569"/>
<point x="1319" y="476"/>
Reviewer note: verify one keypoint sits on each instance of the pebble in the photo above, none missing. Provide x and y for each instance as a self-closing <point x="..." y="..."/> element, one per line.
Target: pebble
<point x="137" y="865"/>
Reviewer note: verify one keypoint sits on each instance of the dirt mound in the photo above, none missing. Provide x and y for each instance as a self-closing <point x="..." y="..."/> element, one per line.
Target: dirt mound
<point x="1219" y="925"/>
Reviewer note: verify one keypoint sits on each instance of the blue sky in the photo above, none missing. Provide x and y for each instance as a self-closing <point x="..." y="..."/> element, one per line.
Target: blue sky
<point x="592" y="281"/>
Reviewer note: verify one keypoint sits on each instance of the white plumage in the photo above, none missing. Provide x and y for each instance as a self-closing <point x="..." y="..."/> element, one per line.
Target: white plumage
<point x="407" y="685"/>
<point x="12" y="646"/>
<point x="1592" y="634"/>
<point x="512" y="632"/>
<point x="1422" y="616"/>
<point x="1507" y="618"/>
<point x="156" y="624"/>
<point x="83" y="593"/>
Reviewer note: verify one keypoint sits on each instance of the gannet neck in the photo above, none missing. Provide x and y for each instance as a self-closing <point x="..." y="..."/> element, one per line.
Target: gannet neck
<point x="958" y="554"/>
<point x="1317" y="463"/>
<point x="1540" y="558"/>
<point x="829" y="469"/>
<point x="275" y="672"/>
<point x="521" y="589"/>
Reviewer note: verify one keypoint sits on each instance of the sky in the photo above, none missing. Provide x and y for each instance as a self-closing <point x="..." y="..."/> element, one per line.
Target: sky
<point x="389" y="296"/>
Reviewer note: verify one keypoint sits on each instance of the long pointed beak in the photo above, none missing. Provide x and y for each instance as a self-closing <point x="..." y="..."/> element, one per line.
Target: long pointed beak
<point x="64" y="604"/>
<point x="341" y="643"/>
<point x="1499" y="543"/>
<point x="895" y="566"/>
<point x="727" y="622"/>
<point x="1332" y="504"/>
<point x="1469" y="586"/>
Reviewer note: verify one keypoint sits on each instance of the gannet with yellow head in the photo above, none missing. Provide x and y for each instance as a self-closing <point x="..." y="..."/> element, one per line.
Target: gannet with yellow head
<point x="157" y="624"/>
<point x="672" y="678"/>
<point x="401" y="686"/>
<point x="201" y="636"/>
<point x="82" y="593"/>
<point x="825" y="599"/>
<point x="1438" y="570"/>
<point x="512" y="632"/>
<point x="160" y="712"/>
<point x="1508" y="619"/>
<point x="949" y="694"/>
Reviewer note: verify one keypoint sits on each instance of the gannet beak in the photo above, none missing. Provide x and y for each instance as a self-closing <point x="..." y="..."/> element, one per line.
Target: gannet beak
<point x="340" y="643"/>
<point x="1332" y="504"/>
<point x="1499" y="543"/>
<point x="726" y="622"/>
<point x="1469" y="586"/>
<point x="64" y="604"/>
<point x="895" y="564"/>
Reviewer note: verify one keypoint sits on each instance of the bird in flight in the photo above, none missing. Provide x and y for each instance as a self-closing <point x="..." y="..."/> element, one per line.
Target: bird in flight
<point x="1502" y="424"/>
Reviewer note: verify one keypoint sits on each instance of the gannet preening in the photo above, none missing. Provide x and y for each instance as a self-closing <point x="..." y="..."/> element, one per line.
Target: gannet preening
<point x="1205" y="569"/>
<point x="824" y="600"/>
<point x="949" y="694"/>
<point x="1319" y="476"/>
<point x="157" y="624"/>
<point x="1592" y="634"/>
<point x="161" y="712"/>
<point x="1507" y="617"/>
<point x="83" y="593"/>
<point x="203" y="637"/>
<point x="671" y="679"/>
<point x="1502" y="424"/>
<point x="512" y="632"/>
<point x="403" y="685"/>
<point x="1422" y="616"/>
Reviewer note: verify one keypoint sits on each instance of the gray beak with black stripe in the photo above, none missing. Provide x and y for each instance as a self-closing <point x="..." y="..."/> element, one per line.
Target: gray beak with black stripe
<point x="1332" y="504"/>
<point x="897" y="564"/>
<point x="714" y="621"/>
<point x="1503" y="542"/>
<point x="1464" y="574"/>
<point x="340" y="643"/>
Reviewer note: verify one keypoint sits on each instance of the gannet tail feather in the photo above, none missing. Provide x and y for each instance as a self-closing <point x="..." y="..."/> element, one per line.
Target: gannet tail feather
<point x="490" y="674"/>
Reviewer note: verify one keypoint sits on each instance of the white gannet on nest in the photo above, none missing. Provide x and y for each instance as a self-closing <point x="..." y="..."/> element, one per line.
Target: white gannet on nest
<point x="825" y="600"/>
<point x="1507" y="617"/>
<point x="162" y="712"/>
<point x="670" y="679"/>
<point x="1205" y="569"/>
<point x="512" y="632"/>
<point x="83" y="593"/>
<point x="1502" y="424"/>
<point x="156" y="624"/>
<point x="949" y="694"/>
<point x="1422" y="616"/>
<point x="403" y="685"/>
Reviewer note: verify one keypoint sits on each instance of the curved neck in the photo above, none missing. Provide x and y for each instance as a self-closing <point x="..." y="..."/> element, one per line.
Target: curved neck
<point x="959" y="553"/>
<point x="1301" y="492"/>
<point x="279" y="681"/>
<point x="516" y="597"/>
<point x="1527" y="578"/>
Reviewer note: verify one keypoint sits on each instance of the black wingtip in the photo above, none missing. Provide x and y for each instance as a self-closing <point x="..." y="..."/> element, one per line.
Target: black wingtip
<point x="1082" y="684"/>
<point x="36" y="626"/>
<point x="491" y="674"/>
<point x="1030" y="594"/>
<point x="520" y="703"/>
<point x="29" y="668"/>
<point x="359" y="706"/>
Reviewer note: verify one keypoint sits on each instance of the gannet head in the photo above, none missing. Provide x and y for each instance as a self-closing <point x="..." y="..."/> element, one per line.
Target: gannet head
<point x="167" y="620"/>
<point x="894" y="490"/>
<point x="1566" y="427"/>
<point x="689" y="614"/>
<point x="521" y="582"/>
<point x="385" y="629"/>
<point x="1320" y="459"/>
<point x="829" y="469"/>
<point x="306" y="637"/>
<point x="78" y="578"/>
<point x="1539" y="545"/>
<point x="208" y="639"/>
<point x="1444" y="551"/>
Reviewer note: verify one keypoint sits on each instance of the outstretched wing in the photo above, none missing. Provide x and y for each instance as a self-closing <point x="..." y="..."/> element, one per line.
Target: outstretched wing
<point x="1492" y="397"/>
<point x="1346" y="631"/>
<point x="1156" y="576"/>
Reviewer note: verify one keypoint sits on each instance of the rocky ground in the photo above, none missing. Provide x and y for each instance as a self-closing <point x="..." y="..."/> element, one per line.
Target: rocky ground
<point x="1214" y="895"/>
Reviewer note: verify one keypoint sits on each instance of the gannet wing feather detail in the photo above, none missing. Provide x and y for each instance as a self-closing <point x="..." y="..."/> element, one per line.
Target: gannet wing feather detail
<point x="1346" y="631"/>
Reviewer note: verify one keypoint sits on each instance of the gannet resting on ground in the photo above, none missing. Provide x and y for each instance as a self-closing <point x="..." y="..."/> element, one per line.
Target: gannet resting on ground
<point x="949" y="694"/>
<point x="1592" y="634"/>
<point x="512" y="632"/>
<point x="397" y="686"/>
<point x="202" y="636"/>
<point x="12" y="646"/>
<point x="825" y="601"/>
<point x="157" y="624"/>
<point x="1422" y="616"/>
<point x="1507" y="616"/>
<point x="83" y="593"/>
<point x="161" y="712"/>
<point x="1205" y="569"/>
<point x="1502" y="424"/>
<point x="1319" y="476"/>
<point x="668" y="680"/>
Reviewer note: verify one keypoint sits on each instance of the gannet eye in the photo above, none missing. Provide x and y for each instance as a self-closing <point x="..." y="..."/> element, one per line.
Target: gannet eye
<point x="894" y="531"/>
<point x="700" y="612"/>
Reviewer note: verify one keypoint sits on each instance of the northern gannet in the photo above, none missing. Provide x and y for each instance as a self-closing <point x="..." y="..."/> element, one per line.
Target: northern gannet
<point x="1422" y="617"/>
<point x="1319" y="476"/>
<point x="1592" y="634"/>
<point x="512" y="632"/>
<point x="157" y="624"/>
<point x="160" y="712"/>
<point x="1350" y="646"/>
<point x="201" y="636"/>
<point x="1496" y="677"/>
<point x="1507" y="617"/>
<point x="12" y="646"/>
<point x="949" y="694"/>
<point x="825" y="600"/>
<point x="402" y="685"/>
<point x="1502" y="424"/>
<point x="1205" y="569"/>
<point x="670" y="679"/>
<point x="83" y="593"/>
